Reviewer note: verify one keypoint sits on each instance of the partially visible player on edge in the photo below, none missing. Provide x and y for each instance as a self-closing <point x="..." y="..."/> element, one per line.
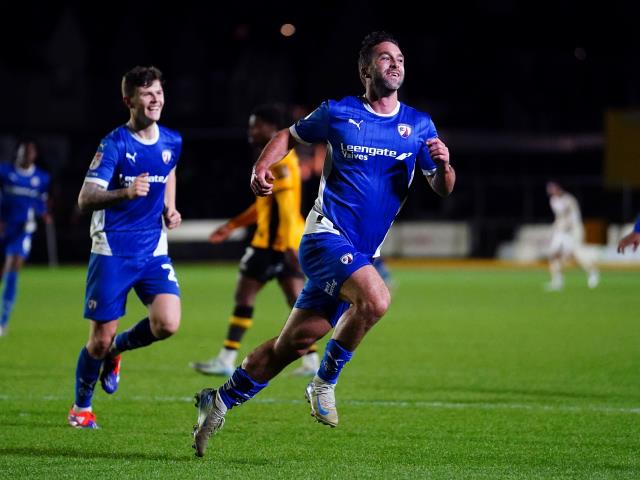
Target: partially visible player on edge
<point x="374" y="143"/>
<point x="273" y="252"/>
<point x="381" y="267"/>
<point x="567" y="238"/>
<point x="130" y="188"/>
<point x="23" y="188"/>
<point x="632" y="239"/>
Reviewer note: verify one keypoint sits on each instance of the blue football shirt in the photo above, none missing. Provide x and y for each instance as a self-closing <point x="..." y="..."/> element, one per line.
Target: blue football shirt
<point x="369" y="168"/>
<point x="24" y="195"/>
<point x="133" y="227"/>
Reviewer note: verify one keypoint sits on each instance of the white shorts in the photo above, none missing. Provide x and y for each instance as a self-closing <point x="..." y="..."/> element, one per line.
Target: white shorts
<point x="564" y="243"/>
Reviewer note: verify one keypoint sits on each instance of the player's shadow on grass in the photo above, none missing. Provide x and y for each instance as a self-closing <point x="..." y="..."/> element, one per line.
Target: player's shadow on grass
<point x="83" y="454"/>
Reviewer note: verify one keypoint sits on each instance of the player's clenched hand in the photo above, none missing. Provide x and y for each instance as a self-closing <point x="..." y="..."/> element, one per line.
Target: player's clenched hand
<point x="139" y="187"/>
<point x="220" y="234"/>
<point x="262" y="181"/>
<point x="172" y="218"/>
<point x="632" y="239"/>
<point x="439" y="152"/>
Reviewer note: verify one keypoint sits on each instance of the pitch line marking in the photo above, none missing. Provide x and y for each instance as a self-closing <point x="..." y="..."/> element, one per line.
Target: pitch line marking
<point x="383" y="403"/>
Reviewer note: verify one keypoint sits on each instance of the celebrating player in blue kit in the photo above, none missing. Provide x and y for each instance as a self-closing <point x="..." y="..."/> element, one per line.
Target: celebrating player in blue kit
<point x="23" y="188"/>
<point x="374" y="143"/>
<point x="130" y="188"/>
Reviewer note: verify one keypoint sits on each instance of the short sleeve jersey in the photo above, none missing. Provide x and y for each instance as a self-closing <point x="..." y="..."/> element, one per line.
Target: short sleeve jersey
<point x="23" y="194"/>
<point x="133" y="227"/>
<point x="567" y="213"/>
<point x="369" y="168"/>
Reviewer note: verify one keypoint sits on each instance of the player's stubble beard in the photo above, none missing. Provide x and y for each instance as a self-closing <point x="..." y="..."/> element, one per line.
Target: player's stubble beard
<point x="386" y="86"/>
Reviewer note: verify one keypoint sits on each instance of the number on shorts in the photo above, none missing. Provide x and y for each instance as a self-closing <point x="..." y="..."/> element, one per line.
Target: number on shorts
<point x="26" y="245"/>
<point x="171" y="274"/>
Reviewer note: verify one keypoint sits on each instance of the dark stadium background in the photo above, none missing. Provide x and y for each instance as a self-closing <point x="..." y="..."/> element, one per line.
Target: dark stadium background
<point x="518" y="90"/>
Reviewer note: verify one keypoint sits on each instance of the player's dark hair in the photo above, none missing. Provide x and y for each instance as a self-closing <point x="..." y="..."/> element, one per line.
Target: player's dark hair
<point x="366" y="49"/>
<point x="25" y="139"/>
<point x="139" y="77"/>
<point x="271" y="114"/>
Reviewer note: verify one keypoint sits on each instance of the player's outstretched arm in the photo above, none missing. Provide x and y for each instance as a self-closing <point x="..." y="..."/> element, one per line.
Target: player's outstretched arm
<point x="277" y="148"/>
<point x="632" y="239"/>
<point x="445" y="177"/>
<point x="96" y="197"/>
<point x="248" y="217"/>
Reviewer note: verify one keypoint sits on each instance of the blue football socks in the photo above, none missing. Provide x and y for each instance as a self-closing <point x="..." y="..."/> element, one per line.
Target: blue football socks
<point x="87" y="372"/>
<point x="239" y="388"/>
<point x="10" y="281"/>
<point x="139" y="335"/>
<point x="334" y="359"/>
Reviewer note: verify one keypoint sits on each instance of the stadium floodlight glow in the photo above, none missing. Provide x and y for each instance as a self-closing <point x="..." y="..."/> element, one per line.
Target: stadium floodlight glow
<point x="287" y="29"/>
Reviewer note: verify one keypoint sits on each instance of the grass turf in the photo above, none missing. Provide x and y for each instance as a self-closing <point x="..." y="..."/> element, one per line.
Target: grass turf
<point x="471" y="374"/>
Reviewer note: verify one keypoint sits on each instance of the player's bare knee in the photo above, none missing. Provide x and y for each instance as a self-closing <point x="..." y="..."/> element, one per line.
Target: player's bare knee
<point x="382" y="303"/>
<point x="166" y="326"/>
<point x="167" y="330"/>
<point x="375" y="306"/>
<point x="98" y="346"/>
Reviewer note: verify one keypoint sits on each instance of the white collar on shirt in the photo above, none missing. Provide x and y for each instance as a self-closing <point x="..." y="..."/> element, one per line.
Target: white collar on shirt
<point x="151" y="141"/>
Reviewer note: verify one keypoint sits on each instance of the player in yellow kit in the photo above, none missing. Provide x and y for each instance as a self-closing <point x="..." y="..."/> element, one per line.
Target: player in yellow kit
<point x="273" y="252"/>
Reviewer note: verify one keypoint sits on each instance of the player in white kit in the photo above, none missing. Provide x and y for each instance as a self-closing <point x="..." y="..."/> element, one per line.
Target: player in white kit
<point x="567" y="239"/>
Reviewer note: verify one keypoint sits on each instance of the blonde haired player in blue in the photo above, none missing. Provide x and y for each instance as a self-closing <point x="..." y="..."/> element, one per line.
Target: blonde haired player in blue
<point x="375" y="145"/>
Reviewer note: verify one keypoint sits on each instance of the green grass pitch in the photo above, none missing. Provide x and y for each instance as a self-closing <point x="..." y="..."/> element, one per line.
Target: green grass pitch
<point x="472" y="374"/>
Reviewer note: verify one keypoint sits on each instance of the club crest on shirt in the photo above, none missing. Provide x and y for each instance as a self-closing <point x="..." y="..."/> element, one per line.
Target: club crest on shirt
<point x="404" y="130"/>
<point x="347" y="258"/>
<point x="95" y="163"/>
<point x="35" y="181"/>
<point x="166" y="156"/>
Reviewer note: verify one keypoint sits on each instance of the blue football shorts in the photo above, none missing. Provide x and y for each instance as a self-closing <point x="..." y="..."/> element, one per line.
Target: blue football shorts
<point x="327" y="260"/>
<point x="109" y="279"/>
<point x="16" y="241"/>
